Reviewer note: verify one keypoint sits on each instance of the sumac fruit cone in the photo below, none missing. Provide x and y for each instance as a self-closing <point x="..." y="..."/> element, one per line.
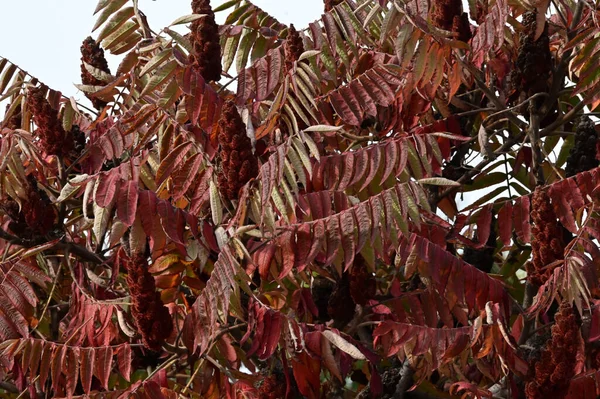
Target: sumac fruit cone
<point x="36" y="216"/>
<point x="151" y="316"/>
<point x="362" y="282"/>
<point x="53" y="140"/>
<point x="238" y="164"/>
<point x="533" y="68"/>
<point x="292" y="47"/>
<point x="449" y="15"/>
<point x="582" y="156"/>
<point x="547" y="245"/>
<point x="341" y="306"/>
<point x="93" y="55"/>
<point x="554" y="371"/>
<point x="205" y="40"/>
<point x="329" y="4"/>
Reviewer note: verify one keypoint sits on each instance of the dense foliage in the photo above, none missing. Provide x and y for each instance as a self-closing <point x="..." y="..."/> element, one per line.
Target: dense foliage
<point x="398" y="200"/>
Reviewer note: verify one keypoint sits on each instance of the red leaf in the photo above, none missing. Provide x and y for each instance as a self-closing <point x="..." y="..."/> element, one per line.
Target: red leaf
<point x="106" y="188"/>
<point x="45" y="362"/>
<point x="505" y="223"/>
<point x="263" y="258"/>
<point x="127" y="203"/>
<point x="124" y="361"/>
<point x="171" y="161"/>
<point x="103" y="364"/>
<point x="484" y="221"/>
<point x="521" y="219"/>
<point x="287" y="253"/>
<point x="306" y="373"/>
<point x="172" y="221"/>
<point x="86" y="362"/>
<point x="272" y="333"/>
<point x="58" y="357"/>
<point x="71" y="370"/>
<point x="346" y="111"/>
<point x="185" y="176"/>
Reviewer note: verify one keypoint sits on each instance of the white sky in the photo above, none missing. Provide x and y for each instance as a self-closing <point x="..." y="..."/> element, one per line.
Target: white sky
<point x="44" y="36"/>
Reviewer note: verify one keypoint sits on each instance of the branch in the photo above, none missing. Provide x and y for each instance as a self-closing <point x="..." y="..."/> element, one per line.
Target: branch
<point x="73" y="248"/>
<point x="406" y="381"/>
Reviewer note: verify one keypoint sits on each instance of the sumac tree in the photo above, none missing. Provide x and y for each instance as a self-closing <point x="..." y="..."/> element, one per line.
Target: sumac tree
<point x="398" y="200"/>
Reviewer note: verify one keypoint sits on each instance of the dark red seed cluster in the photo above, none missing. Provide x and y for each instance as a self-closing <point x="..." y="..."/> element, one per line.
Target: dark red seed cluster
<point x="151" y="316"/>
<point x="449" y="15"/>
<point x="341" y="306"/>
<point x="53" y="140"/>
<point x="483" y="258"/>
<point x="238" y="164"/>
<point x="362" y="282"/>
<point x="582" y="156"/>
<point x="205" y="39"/>
<point x="272" y="386"/>
<point x="553" y="372"/>
<point x="292" y="47"/>
<point x="532" y="70"/>
<point x="547" y="245"/>
<point x="36" y="216"/>
<point x="14" y="120"/>
<point x="321" y="292"/>
<point x="92" y="54"/>
<point x="329" y="4"/>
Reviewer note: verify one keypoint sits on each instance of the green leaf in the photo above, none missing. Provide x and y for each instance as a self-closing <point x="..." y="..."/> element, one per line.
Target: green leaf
<point x="187" y="19"/>
<point x="439" y="181"/>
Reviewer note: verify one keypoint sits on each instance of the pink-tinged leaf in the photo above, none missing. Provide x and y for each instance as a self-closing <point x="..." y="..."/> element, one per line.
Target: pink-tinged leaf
<point x="521" y="219"/>
<point x="147" y="207"/>
<point x="194" y="86"/>
<point x="201" y="192"/>
<point x="484" y="221"/>
<point x="106" y="187"/>
<point x="363" y="221"/>
<point x="246" y="87"/>
<point x="271" y="335"/>
<point x="186" y="175"/>
<point x="505" y="223"/>
<point x="124" y="361"/>
<point x="103" y="364"/>
<point x="262" y="316"/>
<point x="345" y="110"/>
<point x="348" y="170"/>
<point x="374" y="155"/>
<point x="367" y="103"/>
<point x="45" y="362"/>
<point x="361" y="164"/>
<point x="307" y="371"/>
<point x="334" y="239"/>
<point x="388" y="94"/>
<point x="303" y="244"/>
<point x="287" y="245"/>
<point x="58" y="357"/>
<point x="375" y="92"/>
<point x="263" y="258"/>
<point x="329" y="360"/>
<point x="347" y="228"/>
<point x="331" y="30"/>
<point x="127" y="202"/>
<point x="172" y="221"/>
<point x="275" y="69"/>
<point x="171" y="161"/>
<point x="390" y="159"/>
<point x="37" y="347"/>
<point x="71" y="370"/>
<point x="317" y="240"/>
<point x="86" y="362"/>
